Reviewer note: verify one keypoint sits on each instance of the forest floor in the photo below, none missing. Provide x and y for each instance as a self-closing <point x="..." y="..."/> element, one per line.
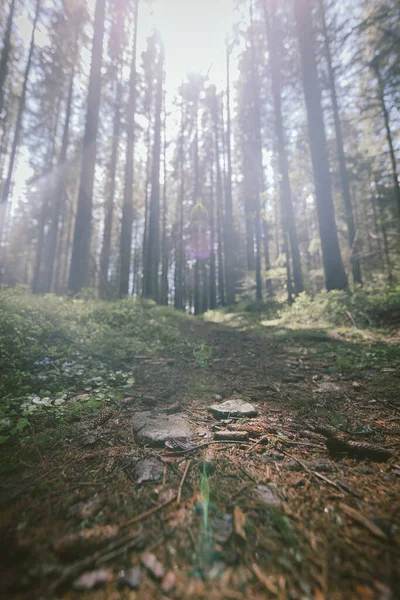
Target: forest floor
<point x="305" y="506"/>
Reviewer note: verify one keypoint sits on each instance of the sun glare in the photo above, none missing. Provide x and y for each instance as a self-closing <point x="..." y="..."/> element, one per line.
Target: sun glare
<point x="194" y="35"/>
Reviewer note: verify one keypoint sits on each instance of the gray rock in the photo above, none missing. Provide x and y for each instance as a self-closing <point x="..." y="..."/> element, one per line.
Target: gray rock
<point x="148" y="469"/>
<point x="156" y="429"/>
<point x="233" y="408"/>
<point x="266" y="495"/>
<point x="130" y="578"/>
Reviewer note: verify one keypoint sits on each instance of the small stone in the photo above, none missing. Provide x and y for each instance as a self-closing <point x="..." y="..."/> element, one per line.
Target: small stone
<point x="130" y="578"/>
<point x="266" y="495"/>
<point x="153" y="565"/>
<point x="157" y="428"/>
<point x="92" y="579"/>
<point x="328" y="386"/>
<point x="168" y="582"/>
<point x="148" y="469"/>
<point x="233" y="408"/>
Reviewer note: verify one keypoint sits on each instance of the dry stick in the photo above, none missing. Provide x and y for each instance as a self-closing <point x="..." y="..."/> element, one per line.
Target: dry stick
<point x="185" y="472"/>
<point x="148" y="513"/>
<point x="262" y="438"/>
<point x="195" y="448"/>
<point x="336" y="485"/>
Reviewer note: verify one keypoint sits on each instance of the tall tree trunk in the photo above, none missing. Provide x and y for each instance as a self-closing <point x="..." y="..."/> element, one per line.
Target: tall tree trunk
<point x="127" y="209"/>
<point x="109" y="209"/>
<point x="179" y="249"/>
<point x="80" y="259"/>
<point x="5" y="53"/>
<point x="196" y="190"/>
<point x="212" y="271"/>
<point x="257" y="156"/>
<point x="222" y="239"/>
<point x="335" y="276"/>
<point x="59" y="196"/>
<point x="389" y="137"/>
<point x="165" y="245"/>
<point x="153" y="244"/>
<point x="18" y="125"/>
<point x="49" y="191"/>
<point x="289" y="224"/>
<point x="146" y="203"/>
<point x="228" y="238"/>
<point x="344" y="177"/>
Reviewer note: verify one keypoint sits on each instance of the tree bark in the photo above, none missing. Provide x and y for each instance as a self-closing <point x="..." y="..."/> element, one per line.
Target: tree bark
<point x="335" y="276"/>
<point x="127" y="209"/>
<point x="80" y="259"/>
<point x="344" y="177"/>
<point x="153" y="244"/>
<point x="59" y="196"/>
<point x="228" y="238"/>
<point x="109" y="208"/>
<point x="18" y="125"/>
<point x="5" y="53"/>
<point x="287" y="214"/>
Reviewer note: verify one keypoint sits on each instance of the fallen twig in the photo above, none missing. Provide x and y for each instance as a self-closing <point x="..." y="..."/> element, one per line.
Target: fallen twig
<point x="361" y="520"/>
<point x="196" y="448"/>
<point x="185" y="472"/>
<point x="148" y="513"/>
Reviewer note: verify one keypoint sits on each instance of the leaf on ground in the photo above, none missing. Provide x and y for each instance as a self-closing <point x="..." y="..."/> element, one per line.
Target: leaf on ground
<point x="84" y="542"/>
<point x="92" y="579"/>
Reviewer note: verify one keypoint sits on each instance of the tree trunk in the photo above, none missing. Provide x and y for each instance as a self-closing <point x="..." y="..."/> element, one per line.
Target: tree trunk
<point x="344" y="177"/>
<point x="287" y="214"/>
<point x="127" y="209"/>
<point x="257" y="156"/>
<point x="196" y="190"/>
<point x="153" y="245"/>
<point x="389" y="137"/>
<point x="109" y="209"/>
<point x="5" y="53"/>
<point x="59" y="196"/>
<point x="212" y="272"/>
<point x="335" y="276"/>
<point x="79" y="269"/>
<point x="165" y="248"/>
<point x="228" y="238"/>
<point x="179" y="249"/>
<point x="18" y="125"/>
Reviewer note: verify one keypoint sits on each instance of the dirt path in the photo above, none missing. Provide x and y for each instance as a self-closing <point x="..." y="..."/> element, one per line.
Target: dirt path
<point x="283" y="514"/>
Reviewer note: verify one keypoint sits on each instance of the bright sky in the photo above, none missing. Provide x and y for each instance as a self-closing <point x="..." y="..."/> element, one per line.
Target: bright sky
<point x="194" y="33"/>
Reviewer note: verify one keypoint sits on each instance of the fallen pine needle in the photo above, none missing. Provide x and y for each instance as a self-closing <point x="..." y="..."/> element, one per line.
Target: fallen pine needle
<point x="265" y="580"/>
<point x="185" y="472"/>
<point x="361" y="520"/>
<point x="148" y="513"/>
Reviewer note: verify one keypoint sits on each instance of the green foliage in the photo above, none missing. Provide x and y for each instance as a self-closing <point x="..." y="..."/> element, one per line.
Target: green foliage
<point x="376" y="307"/>
<point x="54" y="349"/>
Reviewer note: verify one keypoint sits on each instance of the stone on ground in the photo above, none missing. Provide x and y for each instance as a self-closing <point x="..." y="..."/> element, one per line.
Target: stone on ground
<point x="148" y="469"/>
<point x="157" y="428"/>
<point x="233" y="408"/>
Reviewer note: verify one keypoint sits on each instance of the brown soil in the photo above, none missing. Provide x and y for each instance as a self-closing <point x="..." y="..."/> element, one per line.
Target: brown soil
<point x="328" y="527"/>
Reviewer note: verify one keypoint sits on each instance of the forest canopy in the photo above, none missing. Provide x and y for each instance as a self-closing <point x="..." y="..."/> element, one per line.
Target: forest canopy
<point x="196" y="153"/>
